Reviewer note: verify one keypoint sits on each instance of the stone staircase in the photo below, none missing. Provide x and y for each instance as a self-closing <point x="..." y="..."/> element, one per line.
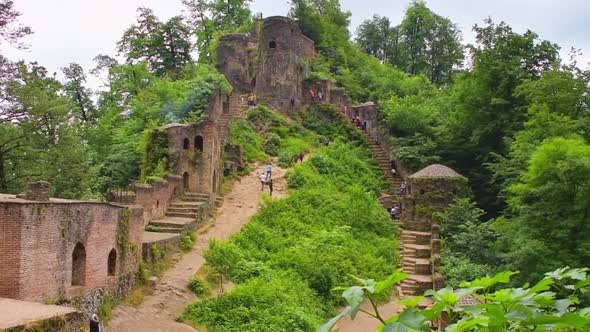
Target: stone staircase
<point x="416" y="261"/>
<point x="384" y="162"/>
<point x="182" y="215"/>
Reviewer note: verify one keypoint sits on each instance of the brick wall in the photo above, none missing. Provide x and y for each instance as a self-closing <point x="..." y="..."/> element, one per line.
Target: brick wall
<point x="10" y="251"/>
<point x="48" y="234"/>
<point x="156" y="198"/>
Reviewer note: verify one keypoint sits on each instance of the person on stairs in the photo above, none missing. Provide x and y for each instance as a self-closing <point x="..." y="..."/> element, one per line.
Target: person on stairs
<point x="395" y="212"/>
<point x="403" y="188"/>
<point x="262" y="178"/>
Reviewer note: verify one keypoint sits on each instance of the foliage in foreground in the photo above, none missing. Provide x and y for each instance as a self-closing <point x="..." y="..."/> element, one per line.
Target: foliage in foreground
<point x="294" y="251"/>
<point x="553" y="304"/>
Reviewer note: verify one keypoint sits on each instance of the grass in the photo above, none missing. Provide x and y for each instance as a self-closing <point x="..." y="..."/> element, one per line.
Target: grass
<point x="289" y="257"/>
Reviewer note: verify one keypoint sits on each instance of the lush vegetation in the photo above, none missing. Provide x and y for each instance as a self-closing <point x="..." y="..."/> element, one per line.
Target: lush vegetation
<point x="552" y="304"/>
<point x="287" y="259"/>
<point x="510" y="122"/>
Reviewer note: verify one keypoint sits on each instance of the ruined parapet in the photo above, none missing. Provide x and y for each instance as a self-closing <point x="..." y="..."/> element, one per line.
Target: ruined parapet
<point x="237" y="57"/>
<point x="36" y="191"/>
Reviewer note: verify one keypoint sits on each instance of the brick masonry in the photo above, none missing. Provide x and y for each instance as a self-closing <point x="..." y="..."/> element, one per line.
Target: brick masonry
<point x="37" y="241"/>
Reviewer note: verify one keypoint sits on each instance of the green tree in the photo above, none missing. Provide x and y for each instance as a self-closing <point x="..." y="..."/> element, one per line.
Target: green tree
<point x="78" y="94"/>
<point x="164" y="46"/>
<point x="551" y="204"/>
<point x="378" y="38"/>
<point x="209" y="18"/>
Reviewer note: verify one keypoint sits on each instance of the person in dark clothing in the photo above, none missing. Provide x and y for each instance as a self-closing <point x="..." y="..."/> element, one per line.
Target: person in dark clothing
<point x="364" y="125"/>
<point x="270" y="186"/>
<point x="95" y="325"/>
<point x="301" y="156"/>
<point x="292" y="102"/>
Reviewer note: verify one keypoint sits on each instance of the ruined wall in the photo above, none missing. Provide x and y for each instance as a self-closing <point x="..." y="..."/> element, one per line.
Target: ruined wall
<point x="197" y="166"/>
<point x="155" y="198"/>
<point x="38" y="265"/>
<point x="237" y="56"/>
<point x="281" y="49"/>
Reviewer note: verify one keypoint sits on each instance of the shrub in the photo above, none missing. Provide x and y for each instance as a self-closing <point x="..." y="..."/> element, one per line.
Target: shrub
<point x="187" y="241"/>
<point x="198" y="286"/>
<point x="272" y="145"/>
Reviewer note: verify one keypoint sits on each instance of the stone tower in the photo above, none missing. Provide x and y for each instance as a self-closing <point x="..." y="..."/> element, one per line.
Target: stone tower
<point x="430" y="190"/>
<point x="268" y="61"/>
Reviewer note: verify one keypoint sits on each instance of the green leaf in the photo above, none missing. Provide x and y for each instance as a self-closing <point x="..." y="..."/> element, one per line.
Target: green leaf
<point x="391" y="280"/>
<point x="411" y="302"/>
<point x="330" y="324"/>
<point x="354" y="296"/>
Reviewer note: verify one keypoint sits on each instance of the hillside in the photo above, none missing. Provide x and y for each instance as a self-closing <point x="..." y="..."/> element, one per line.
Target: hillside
<point x="444" y="185"/>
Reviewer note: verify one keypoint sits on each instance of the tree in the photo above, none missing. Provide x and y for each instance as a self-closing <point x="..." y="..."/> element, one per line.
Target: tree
<point x="78" y="94"/>
<point x="39" y="140"/>
<point x="551" y="204"/>
<point x="9" y="30"/>
<point x="378" y="38"/>
<point x="165" y="46"/>
<point x="208" y="18"/>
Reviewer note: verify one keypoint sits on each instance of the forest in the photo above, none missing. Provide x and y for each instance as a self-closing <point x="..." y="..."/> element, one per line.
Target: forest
<point x="506" y="112"/>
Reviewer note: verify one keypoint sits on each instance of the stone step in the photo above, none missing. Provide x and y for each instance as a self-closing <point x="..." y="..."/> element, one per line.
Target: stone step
<point x="167" y="230"/>
<point x="184" y="209"/>
<point x="200" y="195"/>
<point x="419" y="250"/>
<point x="194" y="199"/>
<point x="172" y="222"/>
<point x="181" y="214"/>
<point x="181" y="204"/>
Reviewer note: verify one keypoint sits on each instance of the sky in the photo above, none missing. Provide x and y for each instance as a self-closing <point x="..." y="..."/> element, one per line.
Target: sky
<point x="77" y="30"/>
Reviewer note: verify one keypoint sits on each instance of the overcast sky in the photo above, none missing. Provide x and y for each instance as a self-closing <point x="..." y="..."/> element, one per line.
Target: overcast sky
<point x="77" y="30"/>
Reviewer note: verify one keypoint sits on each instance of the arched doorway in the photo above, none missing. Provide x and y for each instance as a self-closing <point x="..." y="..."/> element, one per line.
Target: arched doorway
<point x="272" y="44"/>
<point x="79" y="265"/>
<point x="214" y="181"/>
<point x="199" y="143"/>
<point x="185" y="180"/>
<point x="112" y="263"/>
<point x="186" y="143"/>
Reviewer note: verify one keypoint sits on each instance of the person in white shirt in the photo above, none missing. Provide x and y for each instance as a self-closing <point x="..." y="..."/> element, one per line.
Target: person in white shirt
<point x="262" y="178"/>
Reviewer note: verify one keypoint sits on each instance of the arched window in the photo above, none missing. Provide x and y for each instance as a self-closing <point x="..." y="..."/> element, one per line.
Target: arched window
<point x="199" y="143"/>
<point x="112" y="263"/>
<point x="272" y="44"/>
<point x="185" y="180"/>
<point x="186" y="143"/>
<point x="79" y="265"/>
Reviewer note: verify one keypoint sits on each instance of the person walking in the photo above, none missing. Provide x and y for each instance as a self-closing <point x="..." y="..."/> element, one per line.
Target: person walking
<point x="301" y="156"/>
<point x="268" y="171"/>
<point x="270" y="186"/>
<point x="312" y="94"/>
<point x="95" y="325"/>
<point x="262" y="178"/>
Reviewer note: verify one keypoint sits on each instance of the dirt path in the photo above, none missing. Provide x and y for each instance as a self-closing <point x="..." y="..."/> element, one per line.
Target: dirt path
<point x="363" y="322"/>
<point x="159" y="311"/>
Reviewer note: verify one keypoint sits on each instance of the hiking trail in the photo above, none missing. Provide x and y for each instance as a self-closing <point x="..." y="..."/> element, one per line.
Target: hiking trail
<point x="159" y="310"/>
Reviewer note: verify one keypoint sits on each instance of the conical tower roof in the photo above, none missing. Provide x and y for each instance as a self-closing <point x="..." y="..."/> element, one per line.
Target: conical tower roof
<point x="435" y="171"/>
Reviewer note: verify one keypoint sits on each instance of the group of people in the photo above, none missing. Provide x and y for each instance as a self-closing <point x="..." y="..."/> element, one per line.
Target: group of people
<point x="299" y="157"/>
<point x="266" y="179"/>
<point x="316" y="96"/>
<point x="359" y="122"/>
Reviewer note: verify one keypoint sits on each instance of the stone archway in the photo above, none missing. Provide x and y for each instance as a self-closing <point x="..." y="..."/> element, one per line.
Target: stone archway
<point x="199" y="143"/>
<point x="112" y="263"/>
<point x="79" y="265"/>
